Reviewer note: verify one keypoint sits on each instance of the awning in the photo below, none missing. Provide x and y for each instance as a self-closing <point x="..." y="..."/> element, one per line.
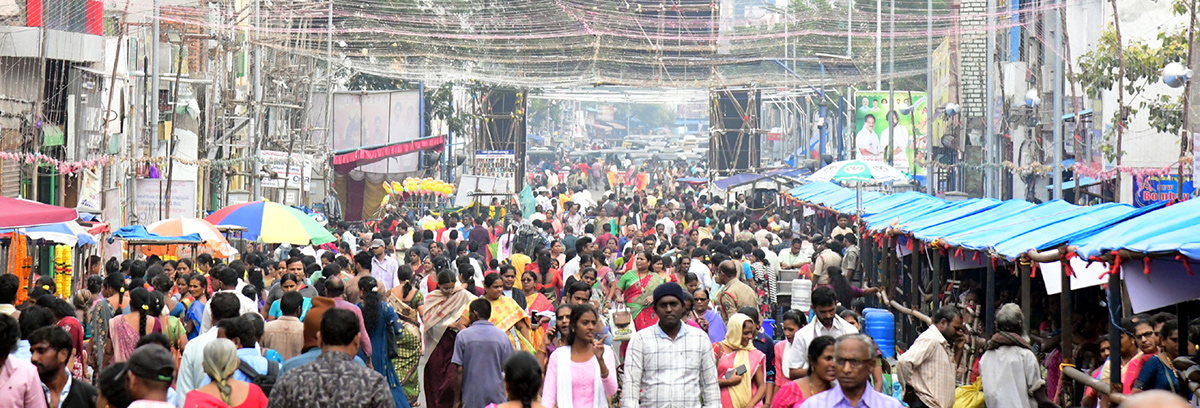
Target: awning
<point x="601" y="127"/>
<point x="20" y="213"/>
<point x="348" y="159"/>
<point x="137" y="235"/>
<point x="736" y="180"/>
<point x="692" y="180"/>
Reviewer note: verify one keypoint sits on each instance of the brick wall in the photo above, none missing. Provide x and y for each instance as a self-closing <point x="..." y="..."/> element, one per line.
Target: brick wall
<point x="972" y="60"/>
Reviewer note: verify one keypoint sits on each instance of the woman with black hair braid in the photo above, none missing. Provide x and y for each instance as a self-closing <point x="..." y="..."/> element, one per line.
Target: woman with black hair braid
<point x="111" y="303"/>
<point x="522" y="381"/>
<point x="124" y="332"/>
<point x="220" y="363"/>
<point x="379" y="317"/>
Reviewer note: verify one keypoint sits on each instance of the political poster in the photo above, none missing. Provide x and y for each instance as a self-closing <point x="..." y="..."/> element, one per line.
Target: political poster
<point x="901" y="139"/>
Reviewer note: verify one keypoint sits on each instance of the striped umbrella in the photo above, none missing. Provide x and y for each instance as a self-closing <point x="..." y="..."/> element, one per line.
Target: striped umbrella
<point x="272" y="223"/>
<point x="178" y="227"/>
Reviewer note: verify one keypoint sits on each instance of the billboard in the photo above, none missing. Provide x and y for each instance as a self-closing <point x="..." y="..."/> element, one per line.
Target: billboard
<point x="946" y="83"/>
<point x="873" y="136"/>
<point x="363" y="119"/>
<point x="149" y="200"/>
<point x="298" y="174"/>
<point x="1155" y="189"/>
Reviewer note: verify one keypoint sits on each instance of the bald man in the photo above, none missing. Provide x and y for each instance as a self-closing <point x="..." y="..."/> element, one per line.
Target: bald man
<point x="1155" y="399"/>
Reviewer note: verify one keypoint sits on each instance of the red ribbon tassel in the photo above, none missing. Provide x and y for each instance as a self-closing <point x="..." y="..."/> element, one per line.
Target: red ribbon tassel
<point x="1146" y="266"/>
<point x="1033" y="269"/>
<point x="958" y="254"/>
<point x="975" y="257"/>
<point x="910" y="244"/>
<point x="1186" y="264"/>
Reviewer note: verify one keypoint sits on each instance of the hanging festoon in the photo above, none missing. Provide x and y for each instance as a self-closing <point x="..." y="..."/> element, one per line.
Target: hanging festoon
<point x="63" y="270"/>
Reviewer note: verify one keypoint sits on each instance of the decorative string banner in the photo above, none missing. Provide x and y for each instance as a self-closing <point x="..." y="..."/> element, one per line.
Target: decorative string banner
<point x="65" y="167"/>
<point x="566" y="43"/>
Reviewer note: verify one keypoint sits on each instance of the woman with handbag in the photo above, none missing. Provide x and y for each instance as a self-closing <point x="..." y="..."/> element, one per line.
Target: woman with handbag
<point x="382" y="324"/>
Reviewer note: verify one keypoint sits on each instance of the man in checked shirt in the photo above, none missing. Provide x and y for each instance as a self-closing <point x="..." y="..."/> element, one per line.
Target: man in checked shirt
<point x="670" y="364"/>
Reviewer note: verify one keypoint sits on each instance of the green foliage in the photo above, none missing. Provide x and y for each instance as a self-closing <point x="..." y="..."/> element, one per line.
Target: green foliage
<point x="439" y="105"/>
<point x="1100" y="70"/>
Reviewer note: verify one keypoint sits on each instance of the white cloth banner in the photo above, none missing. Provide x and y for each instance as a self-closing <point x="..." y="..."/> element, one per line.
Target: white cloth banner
<point x="1085" y="276"/>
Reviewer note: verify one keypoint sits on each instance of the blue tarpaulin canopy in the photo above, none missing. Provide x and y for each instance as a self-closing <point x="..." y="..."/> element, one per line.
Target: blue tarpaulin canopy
<point x="137" y="234"/>
<point x="946" y="214"/>
<point x="906" y="213"/>
<point x="1055" y="231"/>
<point x="952" y="224"/>
<point x="1162" y="231"/>
<point x="736" y="180"/>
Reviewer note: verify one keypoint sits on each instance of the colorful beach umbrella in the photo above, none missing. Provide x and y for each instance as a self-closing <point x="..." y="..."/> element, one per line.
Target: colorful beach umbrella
<point x="272" y="223"/>
<point x="177" y="227"/>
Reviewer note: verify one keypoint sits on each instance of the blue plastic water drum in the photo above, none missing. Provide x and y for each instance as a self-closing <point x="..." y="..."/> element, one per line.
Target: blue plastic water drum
<point x="769" y="328"/>
<point x="880" y="324"/>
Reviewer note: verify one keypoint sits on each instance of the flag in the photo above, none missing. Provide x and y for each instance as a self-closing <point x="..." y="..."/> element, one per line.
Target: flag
<point x="527" y="202"/>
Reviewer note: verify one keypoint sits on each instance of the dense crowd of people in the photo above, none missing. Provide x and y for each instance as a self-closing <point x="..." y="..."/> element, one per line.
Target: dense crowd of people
<point x="655" y="295"/>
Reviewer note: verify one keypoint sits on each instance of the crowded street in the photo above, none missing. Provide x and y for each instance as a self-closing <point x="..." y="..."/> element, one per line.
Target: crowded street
<point x="599" y="203"/>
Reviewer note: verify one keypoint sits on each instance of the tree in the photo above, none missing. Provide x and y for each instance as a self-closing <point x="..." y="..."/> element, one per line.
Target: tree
<point x="1100" y="69"/>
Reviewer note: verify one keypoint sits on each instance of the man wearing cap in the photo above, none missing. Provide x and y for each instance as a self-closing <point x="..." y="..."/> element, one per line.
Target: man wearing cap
<point x="150" y="369"/>
<point x="383" y="266"/>
<point x="333" y="379"/>
<point x="670" y="364"/>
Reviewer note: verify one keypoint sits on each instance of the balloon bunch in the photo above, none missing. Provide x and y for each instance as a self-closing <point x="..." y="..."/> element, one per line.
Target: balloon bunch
<point x="419" y="186"/>
<point x="416" y="187"/>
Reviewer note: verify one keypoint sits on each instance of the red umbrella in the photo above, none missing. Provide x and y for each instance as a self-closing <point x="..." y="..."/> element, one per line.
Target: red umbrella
<point x="20" y="213"/>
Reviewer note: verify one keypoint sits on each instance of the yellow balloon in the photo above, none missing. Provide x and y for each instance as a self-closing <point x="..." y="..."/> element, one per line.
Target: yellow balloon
<point x="384" y="203"/>
<point x="387" y="187"/>
<point x="397" y="188"/>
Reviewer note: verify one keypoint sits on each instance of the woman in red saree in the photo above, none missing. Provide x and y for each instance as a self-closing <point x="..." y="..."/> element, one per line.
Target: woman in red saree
<point x="443" y="318"/>
<point x="637" y="288"/>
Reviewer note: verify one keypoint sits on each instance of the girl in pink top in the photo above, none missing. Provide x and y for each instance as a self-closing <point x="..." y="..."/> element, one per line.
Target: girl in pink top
<point x="582" y="375"/>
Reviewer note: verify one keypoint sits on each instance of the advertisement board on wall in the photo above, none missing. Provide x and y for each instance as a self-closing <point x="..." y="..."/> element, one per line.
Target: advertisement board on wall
<point x="297" y="175"/>
<point x="364" y="119"/>
<point x="150" y="195"/>
<point x="873" y="133"/>
<point x="1155" y="189"/>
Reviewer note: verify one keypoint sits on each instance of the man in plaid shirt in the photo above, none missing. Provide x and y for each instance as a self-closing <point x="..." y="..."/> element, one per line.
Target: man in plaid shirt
<point x="670" y="364"/>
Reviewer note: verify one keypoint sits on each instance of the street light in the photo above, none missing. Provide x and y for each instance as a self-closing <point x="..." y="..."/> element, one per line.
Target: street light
<point x="1176" y="75"/>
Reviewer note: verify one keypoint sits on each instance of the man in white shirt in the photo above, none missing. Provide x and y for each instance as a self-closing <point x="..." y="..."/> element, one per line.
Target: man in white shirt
<point x="867" y="142"/>
<point x="668" y="225"/>
<point x="347" y="236"/>
<point x="223" y="305"/>
<point x="227" y="280"/>
<point x="699" y="266"/>
<point x="899" y="142"/>
<point x="827" y="323"/>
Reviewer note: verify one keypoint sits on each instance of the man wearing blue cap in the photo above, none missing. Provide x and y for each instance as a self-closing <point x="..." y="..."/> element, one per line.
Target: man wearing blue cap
<point x="670" y="364"/>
